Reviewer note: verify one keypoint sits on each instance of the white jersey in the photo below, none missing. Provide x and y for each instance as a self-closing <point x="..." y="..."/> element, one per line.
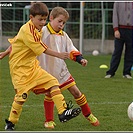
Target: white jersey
<point x="60" y="43"/>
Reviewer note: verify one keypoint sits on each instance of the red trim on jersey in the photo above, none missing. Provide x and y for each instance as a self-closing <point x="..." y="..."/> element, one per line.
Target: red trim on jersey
<point x="45" y="46"/>
<point x="32" y="30"/>
<point x="36" y="38"/>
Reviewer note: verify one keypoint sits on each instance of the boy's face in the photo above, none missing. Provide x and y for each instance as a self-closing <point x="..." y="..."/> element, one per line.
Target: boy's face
<point x="39" y="21"/>
<point x="58" y="23"/>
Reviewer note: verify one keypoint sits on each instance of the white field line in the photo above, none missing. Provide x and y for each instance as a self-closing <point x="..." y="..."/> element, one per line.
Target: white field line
<point x="98" y="103"/>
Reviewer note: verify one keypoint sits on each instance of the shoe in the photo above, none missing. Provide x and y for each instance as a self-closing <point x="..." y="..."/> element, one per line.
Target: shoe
<point x="127" y="76"/>
<point x="49" y="124"/>
<point x="69" y="114"/>
<point x="9" y="125"/>
<point x="93" y="120"/>
<point x="108" y="76"/>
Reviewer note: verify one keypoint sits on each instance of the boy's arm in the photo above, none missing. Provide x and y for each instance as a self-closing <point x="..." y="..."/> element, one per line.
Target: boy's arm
<point x="5" y="53"/>
<point x="63" y="55"/>
<point x="77" y="56"/>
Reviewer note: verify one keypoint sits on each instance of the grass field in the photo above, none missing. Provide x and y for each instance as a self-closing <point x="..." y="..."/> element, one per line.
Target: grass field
<point x="108" y="99"/>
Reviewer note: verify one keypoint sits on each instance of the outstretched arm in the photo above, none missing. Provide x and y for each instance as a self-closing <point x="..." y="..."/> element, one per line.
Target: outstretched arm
<point x="5" y="53"/>
<point x="63" y="55"/>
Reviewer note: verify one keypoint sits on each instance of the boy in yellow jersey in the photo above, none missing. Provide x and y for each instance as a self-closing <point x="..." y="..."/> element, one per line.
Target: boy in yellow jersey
<point x="58" y="40"/>
<point x="25" y="71"/>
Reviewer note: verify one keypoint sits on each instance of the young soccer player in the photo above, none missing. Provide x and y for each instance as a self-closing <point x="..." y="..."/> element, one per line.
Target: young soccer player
<point x="58" y="40"/>
<point x="25" y="71"/>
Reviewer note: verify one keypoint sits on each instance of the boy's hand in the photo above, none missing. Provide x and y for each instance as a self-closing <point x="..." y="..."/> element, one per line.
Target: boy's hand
<point x="5" y="53"/>
<point x="2" y="55"/>
<point x="84" y="62"/>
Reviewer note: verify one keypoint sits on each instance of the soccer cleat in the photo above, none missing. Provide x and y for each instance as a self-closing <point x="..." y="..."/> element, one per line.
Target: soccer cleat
<point x="127" y="76"/>
<point x="49" y="124"/>
<point x="69" y="114"/>
<point x="9" y="125"/>
<point x="93" y="120"/>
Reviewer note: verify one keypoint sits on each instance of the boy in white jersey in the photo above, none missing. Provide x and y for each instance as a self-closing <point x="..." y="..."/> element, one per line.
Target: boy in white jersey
<point x="58" y="40"/>
<point x="25" y="71"/>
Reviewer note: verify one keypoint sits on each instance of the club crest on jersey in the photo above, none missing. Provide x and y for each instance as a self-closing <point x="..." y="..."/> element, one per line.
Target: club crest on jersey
<point x="24" y="95"/>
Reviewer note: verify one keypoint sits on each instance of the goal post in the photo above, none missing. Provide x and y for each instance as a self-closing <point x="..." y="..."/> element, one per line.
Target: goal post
<point x="81" y="38"/>
<point x="92" y="26"/>
<point x="103" y="27"/>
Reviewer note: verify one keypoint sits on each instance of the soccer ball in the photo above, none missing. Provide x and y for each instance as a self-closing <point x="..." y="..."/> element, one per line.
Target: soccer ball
<point x="130" y="111"/>
<point x="95" y="52"/>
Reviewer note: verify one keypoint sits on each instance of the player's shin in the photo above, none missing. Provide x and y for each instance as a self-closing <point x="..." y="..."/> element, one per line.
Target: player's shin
<point x="82" y="102"/>
<point x="48" y="109"/>
<point x="15" y="112"/>
<point x="59" y="101"/>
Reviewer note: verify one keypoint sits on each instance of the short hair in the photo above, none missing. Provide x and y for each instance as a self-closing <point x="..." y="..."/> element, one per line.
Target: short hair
<point x="56" y="11"/>
<point x="39" y="8"/>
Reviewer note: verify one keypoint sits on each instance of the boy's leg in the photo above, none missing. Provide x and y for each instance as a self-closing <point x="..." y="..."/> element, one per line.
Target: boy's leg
<point x="58" y="99"/>
<point x="49" y="112"/>
<point x="51" y="85"/>
<point x="15" y="113"/>
<point x="48" y="105"/>
<point x="86" y="111"/>
<point x="16" y="110"/>
<point x="64" y="113"/>
<point x="48" y="109"/>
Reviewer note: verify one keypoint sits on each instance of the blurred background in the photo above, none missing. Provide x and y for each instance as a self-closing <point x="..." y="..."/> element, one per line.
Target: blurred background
<point x="89" y="25"/>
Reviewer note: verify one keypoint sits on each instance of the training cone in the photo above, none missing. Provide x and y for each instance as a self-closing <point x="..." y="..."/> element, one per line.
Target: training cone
<point x="103" y="66"/>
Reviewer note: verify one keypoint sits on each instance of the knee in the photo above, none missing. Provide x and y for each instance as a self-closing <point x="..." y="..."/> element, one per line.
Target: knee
<point x="47" y="94"/>
<point x="21" y="98"/>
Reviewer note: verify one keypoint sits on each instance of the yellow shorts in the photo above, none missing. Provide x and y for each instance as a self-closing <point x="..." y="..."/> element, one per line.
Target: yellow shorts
<point x="40" y="83"/>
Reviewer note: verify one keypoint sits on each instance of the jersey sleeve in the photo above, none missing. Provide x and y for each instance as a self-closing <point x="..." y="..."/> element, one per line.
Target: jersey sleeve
<point x="69" y="44"/>
<point x="33" y="41"/>
<point x="75" y="55"/>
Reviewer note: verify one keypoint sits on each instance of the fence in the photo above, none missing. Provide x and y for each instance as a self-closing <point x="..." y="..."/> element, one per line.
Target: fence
<point x="14" y="17"/>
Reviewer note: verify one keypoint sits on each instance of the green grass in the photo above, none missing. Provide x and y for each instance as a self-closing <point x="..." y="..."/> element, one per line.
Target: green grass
<point x="108" y="99"/>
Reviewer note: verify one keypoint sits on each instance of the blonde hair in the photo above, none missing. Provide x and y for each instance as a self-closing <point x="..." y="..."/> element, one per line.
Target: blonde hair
<point x="56" y="11"/>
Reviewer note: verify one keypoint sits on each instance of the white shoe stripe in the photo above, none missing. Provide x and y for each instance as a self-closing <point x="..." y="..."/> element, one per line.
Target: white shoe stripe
<point x="68" y="112"/>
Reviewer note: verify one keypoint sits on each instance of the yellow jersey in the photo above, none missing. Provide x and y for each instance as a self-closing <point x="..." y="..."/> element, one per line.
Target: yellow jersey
<point x="24" y="67"/>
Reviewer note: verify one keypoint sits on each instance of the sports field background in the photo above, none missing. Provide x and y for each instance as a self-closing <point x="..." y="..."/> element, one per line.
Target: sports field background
<point x="108" y="99"/>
